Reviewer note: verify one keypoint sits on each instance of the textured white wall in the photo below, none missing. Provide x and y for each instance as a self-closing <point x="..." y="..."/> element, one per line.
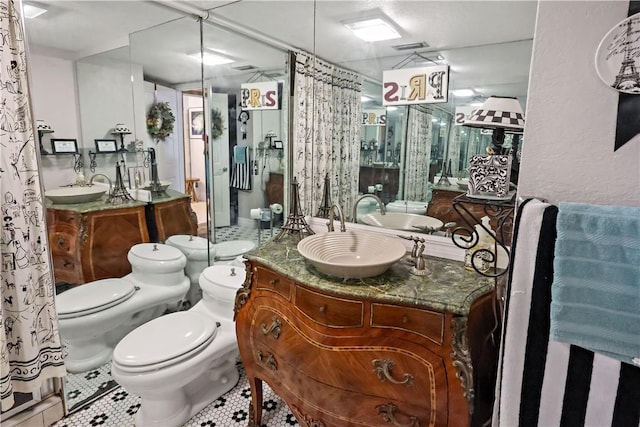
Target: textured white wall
<point x="571" y="114"/>
<point x="53" y="97"/>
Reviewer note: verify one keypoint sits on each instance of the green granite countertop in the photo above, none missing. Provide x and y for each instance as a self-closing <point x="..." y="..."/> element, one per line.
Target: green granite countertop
<point x="101" y="204"/>
<point x="449" y="287"/>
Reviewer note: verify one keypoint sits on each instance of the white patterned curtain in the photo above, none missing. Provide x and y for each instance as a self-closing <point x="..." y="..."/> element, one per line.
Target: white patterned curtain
<point x="418" y="154"/>
<point x="30" y="349"/>
<point x="326" y="140"/>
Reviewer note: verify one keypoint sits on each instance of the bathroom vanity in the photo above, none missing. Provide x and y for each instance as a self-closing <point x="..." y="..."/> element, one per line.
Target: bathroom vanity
<point x="391" y="350"/>
<point x="90" y="241"/>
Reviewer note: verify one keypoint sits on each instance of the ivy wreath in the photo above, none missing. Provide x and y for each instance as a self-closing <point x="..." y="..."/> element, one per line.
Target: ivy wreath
<point x="160" y="121"/>
<point x="217" y="125"/>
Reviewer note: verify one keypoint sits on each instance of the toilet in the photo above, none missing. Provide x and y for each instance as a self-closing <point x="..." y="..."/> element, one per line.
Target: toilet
<point x="181" y="362"/>
<point x="199" y="250"/>
<point x="94" y="316"/>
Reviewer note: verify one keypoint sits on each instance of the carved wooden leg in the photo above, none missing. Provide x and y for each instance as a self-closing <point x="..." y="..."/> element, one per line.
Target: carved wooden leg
<point x="255" y="408"/>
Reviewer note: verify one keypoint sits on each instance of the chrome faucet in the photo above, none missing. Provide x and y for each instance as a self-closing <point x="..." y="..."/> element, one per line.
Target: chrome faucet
<point x="103" y="175"/>
<point x="354" y="218"/>
<point x="343" y="227"/>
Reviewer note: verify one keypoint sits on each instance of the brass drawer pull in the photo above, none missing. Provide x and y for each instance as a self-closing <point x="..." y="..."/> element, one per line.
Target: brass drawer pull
<point x="382" y="367"/>
<point x="273" y="282"/>
<point x="323" y="309"/>
<point x="388" y="413"/>
<point x="268" y="362"/>
<point x="274" y="329"/>
<point x="61" y="241"/>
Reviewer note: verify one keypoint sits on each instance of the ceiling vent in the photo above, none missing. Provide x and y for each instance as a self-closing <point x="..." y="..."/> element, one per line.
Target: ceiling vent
<point x="244" y="67"/>
<point x="410" y="46"/>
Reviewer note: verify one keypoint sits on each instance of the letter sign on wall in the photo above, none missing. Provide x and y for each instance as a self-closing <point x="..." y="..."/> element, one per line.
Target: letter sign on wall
<point x="424" y="85"/>
<point x="259" y="96"/>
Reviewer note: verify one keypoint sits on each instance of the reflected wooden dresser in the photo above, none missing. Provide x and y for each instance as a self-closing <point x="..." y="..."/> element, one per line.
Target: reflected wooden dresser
<point x="365" y="354"/>
<point x="90" y="244"/>
<point x="90" y="241"/>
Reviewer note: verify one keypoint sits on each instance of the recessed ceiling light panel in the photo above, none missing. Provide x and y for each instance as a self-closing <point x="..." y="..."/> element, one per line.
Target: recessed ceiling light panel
<point x="31" y="11"/>
<point x="373" y="29"/>
<point x="210" y="57"/>
<point x="463" y="93"/>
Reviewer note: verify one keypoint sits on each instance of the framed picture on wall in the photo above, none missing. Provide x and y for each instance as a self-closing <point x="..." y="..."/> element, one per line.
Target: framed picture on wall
<point x="277" y="144"/>
<point x="64" y="146"/>
<point x="106" y="145"/>
<point x="196" y="123"/>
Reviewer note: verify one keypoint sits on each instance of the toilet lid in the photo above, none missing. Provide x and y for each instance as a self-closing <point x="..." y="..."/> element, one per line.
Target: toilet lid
<point x="164" y="341"/>
<point x="194" y="247"/>
<point x="233" y="248"/>
<point x="155" y="252"/>
<point x="217" y="276"/>
<point x="92" y="297"/>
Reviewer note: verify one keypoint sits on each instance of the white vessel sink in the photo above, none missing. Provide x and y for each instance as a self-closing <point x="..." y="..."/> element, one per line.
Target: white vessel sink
<point x="351" y="255"/>
<point x="403" y="221"/>
<point x="69" y="195"/>
<point x="407" y="206"/>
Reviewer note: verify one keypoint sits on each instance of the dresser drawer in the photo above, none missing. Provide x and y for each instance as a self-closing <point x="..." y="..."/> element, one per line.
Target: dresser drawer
<point x="317" y="403"/>
<point x="429" y="324"/>
<point x="329" y="311"/>
<point x="270" y="281"/>
<point x="280" y="344"/>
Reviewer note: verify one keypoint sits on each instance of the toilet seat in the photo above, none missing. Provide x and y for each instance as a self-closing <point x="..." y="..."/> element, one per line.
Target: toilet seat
<point x="93" y="297"/>
<point x="164" y="341"/>
<point x="233" y="248"/>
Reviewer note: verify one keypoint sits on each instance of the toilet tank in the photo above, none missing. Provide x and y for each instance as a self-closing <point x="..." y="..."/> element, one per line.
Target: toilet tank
<point x="195" y="249"/>
<point x="157" y="264"/>
<point x="219" y="284"/>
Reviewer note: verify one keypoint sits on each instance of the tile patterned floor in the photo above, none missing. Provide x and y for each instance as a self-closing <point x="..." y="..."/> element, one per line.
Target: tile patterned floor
<point x="104" y="402"/>
<point x="118" y="409"/>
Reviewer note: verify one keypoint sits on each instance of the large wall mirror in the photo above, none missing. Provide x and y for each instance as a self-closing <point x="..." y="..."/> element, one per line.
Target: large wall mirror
<point x="486" y="44"/>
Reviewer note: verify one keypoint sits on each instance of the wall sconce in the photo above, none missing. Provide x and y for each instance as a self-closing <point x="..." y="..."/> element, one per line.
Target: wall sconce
<point x="500" y="113"/>
<point x="42" y="127"/>
<point x="121" y="130"/>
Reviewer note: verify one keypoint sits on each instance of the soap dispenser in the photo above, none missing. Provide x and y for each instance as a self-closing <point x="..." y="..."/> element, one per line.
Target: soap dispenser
<point x="486" y="242"/>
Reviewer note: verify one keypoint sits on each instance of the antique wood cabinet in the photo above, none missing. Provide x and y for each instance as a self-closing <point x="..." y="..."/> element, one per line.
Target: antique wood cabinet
<point x="90" y="241"/>
<point x="360" y="354"/>
<point x="91" y="244"/>
<point x="171" y="215"/>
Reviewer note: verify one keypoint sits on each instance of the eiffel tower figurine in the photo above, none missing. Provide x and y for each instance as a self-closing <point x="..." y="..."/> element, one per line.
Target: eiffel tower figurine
<point x="119" y="194"/>
<point x="323" y="211"/>
<point x="296" y="224"/>
<point x="628" y="78"/>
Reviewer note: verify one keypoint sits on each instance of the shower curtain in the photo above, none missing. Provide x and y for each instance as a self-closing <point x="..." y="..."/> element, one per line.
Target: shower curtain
<point x="418" y="154"/>
<point x="30" y="349"/>
<point x="326" y="121"/>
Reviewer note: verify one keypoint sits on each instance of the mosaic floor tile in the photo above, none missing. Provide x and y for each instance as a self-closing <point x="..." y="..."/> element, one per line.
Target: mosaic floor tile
<point x="118" y="409"/>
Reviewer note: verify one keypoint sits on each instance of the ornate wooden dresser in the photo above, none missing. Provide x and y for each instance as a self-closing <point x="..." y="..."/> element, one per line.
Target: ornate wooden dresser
<point x="90" y="241"/>
<point x="392" y="350"/>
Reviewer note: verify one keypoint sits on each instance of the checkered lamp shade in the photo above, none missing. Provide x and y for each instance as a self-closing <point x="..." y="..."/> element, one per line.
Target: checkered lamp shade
<point x="498" y="112"/>
<point x="121" y="129"/>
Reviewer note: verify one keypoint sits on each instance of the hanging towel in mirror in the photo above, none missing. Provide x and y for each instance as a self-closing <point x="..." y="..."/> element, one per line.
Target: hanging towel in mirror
<point x="240" y="154"/>
<point x="596" y="284"/>
<point x="241" y="174"/>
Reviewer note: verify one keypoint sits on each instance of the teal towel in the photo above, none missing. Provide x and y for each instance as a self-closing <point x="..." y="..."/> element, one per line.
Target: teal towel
<point x="596" y="282"/>
<point x="240" y="154"/>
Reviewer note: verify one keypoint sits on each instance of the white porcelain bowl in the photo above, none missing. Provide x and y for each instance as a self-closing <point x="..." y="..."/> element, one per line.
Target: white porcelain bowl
<point x="403" y="221"/>
<point x="407" y="206"/>
<point x="70" y="195"/>
<point x="351" y="255"/>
